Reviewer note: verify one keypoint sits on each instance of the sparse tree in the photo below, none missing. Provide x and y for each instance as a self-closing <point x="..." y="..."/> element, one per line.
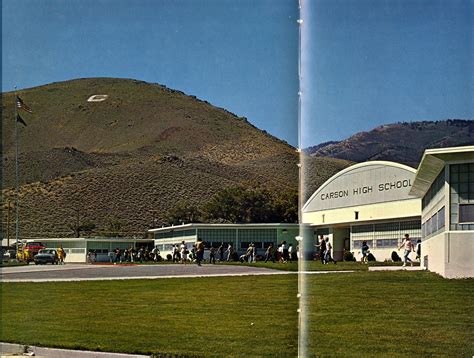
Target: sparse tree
<point x="183" y="212"/>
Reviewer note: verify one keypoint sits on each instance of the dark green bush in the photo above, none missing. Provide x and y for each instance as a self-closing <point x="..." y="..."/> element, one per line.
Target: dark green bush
<point x="348" y="256"/>
<point x="395" y="257"/>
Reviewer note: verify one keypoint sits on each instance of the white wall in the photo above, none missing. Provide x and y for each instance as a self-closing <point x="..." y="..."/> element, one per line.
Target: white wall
<point x="450" y="254"/>
<point x="459" y="255"/>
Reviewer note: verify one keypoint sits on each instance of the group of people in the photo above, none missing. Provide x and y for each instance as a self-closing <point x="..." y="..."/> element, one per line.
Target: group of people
<point x="324" y="247"/>
<point x="407" y="246"/>
<point x="226" y="253"/>
<point x="188" y="252"/>
<point x="129" y="255"/>
<point x="284" y="253"/>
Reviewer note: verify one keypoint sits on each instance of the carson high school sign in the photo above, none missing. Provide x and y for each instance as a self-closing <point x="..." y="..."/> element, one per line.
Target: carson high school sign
<point x="405" y="183"/>
<point x="363" y="184"/>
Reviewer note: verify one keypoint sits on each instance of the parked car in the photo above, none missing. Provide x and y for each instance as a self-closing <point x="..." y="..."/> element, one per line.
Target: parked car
<point x="45" y="256"/>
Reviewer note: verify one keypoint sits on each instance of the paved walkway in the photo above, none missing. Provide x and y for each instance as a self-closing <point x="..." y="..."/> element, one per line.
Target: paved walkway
<point x="83" y="272"/>
<point x="80" y="272"/>
<point x="395" y="268"/>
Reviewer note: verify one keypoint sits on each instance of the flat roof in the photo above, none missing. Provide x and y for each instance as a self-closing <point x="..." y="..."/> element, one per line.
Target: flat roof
<point x="432" y="164"/>
<point x="111" y="239"/>
<point x="225" y="226"/>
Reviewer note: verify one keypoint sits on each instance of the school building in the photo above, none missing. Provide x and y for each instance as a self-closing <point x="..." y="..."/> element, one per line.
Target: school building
<point x="445" y="182"/>
<point x="380" y="201"/>
<point x="77" y="248"/>
<point x="240" y="236"/>
<point x="369" y="202"/>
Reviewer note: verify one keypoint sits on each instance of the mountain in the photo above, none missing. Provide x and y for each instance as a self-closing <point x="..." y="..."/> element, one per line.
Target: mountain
<point x="400" y="142"/>
<point x="120" y="164"/>
<point x="320" y="146"/>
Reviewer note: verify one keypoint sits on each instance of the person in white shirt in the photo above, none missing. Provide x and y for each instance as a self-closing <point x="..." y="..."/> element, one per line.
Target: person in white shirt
<point x="184" y="252"/>
<point x="407" y="245"/>
<point x="230" y="252"/>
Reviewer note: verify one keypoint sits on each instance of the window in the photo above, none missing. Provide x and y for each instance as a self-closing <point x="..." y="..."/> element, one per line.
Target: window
<point x="466" y="213"/>
<point x="461" y="196"/>
<point x="78" y="251"/>
<point x="433" y="191"/>
<point x="260" y="235"/>
<point x="216" y="235"/>
<point x="175" y="233"/>
<point x="357" y="244"/>
<point x="441" y="221"/>
<point x="386" y="243"/>
<point x="386" y="234"/>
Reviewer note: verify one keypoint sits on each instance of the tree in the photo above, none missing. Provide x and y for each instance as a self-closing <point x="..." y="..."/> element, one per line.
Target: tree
<point x="240" y="204"/>
<point x="183" y="212"/>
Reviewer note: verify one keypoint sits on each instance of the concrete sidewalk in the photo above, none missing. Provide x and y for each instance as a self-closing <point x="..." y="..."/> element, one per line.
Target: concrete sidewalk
<point x="395" y="268"/>
<point x="12" y="350"/>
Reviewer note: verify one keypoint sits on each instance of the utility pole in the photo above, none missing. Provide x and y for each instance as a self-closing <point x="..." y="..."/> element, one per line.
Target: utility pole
<point x="8" y="222"/>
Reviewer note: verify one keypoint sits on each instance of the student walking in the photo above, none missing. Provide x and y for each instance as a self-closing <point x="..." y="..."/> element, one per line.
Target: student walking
<point x="322" y="249"/>
<point x="328" y="257"/>
<point x="220" y="251"/>
<point x="365" y="252"/>
<point x="407" y="245"/>
<point x="230" y="252"/>
<point x="199" y="251"/>
<point x="212" y="255"/>
<point x="290" y="252"/>
<point x="269" y="253"/>
<point x="249" y="254"/>
<point x="61" y="255"/>
<point x="184" y="252"/>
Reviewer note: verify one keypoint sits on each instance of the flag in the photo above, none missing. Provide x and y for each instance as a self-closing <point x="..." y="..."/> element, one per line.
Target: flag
<point x="20" y="120"/>
<point x="21" y="105"/>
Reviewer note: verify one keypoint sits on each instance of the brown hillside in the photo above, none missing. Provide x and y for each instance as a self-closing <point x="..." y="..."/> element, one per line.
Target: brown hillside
<point x="401" y="142"/>
<point x="122" y="163"/>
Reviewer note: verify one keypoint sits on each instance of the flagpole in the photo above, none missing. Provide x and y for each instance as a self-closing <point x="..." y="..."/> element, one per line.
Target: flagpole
<point x="17" y="206"/>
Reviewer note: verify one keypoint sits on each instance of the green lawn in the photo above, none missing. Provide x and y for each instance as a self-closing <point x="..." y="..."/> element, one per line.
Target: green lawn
<point x="317" y="265"/>
<point x="207" y="317"/>
<point x="290" y="266"/>
<point x="350" y="314"/>
<point x="390" y="314"/>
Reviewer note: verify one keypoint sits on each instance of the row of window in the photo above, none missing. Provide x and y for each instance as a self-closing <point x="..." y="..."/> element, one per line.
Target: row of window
<point x="55" y="245"/>
<point x="224" y="235"/>
<point x="437" y="186"/>
<point x="434" y="223"/>
<point x="382" y="243"/>
<point x="383" y="231"/>
<point x="175" y="233"/>
<point x="462" y="196"/>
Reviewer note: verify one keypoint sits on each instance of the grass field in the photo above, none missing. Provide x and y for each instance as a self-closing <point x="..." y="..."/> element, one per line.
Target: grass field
<point x="350" y="314"/>
<point x="309" y="265"/>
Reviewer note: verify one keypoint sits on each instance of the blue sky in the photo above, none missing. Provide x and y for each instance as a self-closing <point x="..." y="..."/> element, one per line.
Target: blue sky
<point x="240" y="55"/>
<point x="364" y="62"/>
<point x="371" y="62"/>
